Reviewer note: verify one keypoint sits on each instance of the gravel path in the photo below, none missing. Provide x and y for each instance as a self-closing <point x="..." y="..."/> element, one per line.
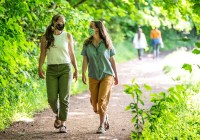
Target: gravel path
<point x="82" y="122"/>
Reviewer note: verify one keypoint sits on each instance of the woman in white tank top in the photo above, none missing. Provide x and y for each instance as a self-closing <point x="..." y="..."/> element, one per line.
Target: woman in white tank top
<point x="57" y="45"/>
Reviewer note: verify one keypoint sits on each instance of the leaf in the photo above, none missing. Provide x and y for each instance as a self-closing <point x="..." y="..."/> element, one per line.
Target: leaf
<point x="133" y="95"/>
<point x="180" y="88"/>
<point x="133" y="80"/>
<point x="196" y="51"/>
<point x="139" y="92"/>
<point x="187" y="67"/>
<point x="147" y="87"/>
<point x="171" y="89"/>
<point x="133" y="119"/>
<point x="163" y="94"/>
<point x="128" y="107"/>
<point x="141" y="101"/>
<point x="197" y="44"/>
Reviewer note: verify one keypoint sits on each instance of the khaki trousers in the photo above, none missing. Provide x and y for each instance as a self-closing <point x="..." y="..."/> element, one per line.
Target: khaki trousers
<point x="100" y="91"/>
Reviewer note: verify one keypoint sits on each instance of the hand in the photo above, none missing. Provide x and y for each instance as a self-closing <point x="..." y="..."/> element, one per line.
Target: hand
<point x="116" y="81"/>
<point x="84" y="79"/>
<point x="41" y="73"/>
<point x="75" y="75"/>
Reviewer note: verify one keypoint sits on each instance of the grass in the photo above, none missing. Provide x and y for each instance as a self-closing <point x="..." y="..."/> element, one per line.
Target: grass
<point x="125" y="51"/>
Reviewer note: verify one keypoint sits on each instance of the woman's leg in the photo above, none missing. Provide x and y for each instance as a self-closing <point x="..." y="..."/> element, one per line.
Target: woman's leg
<point x="154" y="50"/>
<point x="94" y="90"/>
<point x="65" y="80"/>
<point x="142" y="52"/>
<point x="52" y="88"/>
<point x="139" y="54"/>
<point x="157" y="51"/>
<point x="104" y="96"/>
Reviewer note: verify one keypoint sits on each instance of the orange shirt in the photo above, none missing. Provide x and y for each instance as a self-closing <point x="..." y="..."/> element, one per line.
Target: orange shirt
<point x="155" y="34"/>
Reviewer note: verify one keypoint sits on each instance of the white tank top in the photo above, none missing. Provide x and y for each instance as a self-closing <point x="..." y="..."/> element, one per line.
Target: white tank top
<point x="58" y="53"/>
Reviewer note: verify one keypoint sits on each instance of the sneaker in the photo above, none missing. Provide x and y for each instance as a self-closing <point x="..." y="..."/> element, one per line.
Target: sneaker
<point x="63" y="129"/>
<point x="101" y="130"/>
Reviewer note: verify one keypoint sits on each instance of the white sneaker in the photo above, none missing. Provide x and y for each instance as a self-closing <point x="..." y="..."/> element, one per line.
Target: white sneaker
<point x="63" y="129"/>
<point x="101" y="130"/>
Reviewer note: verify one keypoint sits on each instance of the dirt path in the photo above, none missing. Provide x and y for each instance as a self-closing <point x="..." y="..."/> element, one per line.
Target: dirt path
<point x="82" y="122"/>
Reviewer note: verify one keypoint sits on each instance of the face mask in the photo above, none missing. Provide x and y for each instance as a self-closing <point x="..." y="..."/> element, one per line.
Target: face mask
<point x="91" y="31"/>
<point x="60" y="27"/>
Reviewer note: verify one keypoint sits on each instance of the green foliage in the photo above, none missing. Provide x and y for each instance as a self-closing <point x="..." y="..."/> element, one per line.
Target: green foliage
<point x="197" y="49"/>
<point x="187" y="67"/>
<point x="21" y="90"/>
<point x="139" y="114"/>
<point x="127" y="48"/>
<point x="174" y="115"/>
<point x="123" y="17"/>
<point x="197" y="44"/>
<point x="170" y="114"/>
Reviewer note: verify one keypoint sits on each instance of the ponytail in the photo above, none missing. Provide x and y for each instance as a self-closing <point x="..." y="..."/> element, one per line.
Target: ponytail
<point x="49" y="36"/>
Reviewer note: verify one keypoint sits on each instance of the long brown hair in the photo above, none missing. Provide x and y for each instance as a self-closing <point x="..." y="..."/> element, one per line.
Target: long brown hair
<point x="102" y="33"/>
<point x="49" y="31"/>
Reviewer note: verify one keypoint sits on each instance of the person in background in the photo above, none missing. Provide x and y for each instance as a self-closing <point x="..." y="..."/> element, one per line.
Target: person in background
<point x="156" y="41"/>
<point x="140" y="43"/>
<point x="98" y="56"/>
<point x="57" y="45"/>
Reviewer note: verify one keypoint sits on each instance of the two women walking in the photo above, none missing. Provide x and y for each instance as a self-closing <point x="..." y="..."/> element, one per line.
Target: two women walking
<point x="140" y="43"/>
<point x="98" y="57"/>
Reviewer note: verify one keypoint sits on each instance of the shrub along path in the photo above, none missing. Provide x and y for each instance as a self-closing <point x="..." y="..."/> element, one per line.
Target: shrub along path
<point x="82" y="122"/>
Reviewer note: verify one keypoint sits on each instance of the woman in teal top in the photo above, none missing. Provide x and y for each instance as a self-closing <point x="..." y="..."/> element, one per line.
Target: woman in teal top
<point x="98" y="56"/>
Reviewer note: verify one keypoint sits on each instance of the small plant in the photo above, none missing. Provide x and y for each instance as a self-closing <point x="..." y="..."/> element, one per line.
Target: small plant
<point x="139" y="114"/>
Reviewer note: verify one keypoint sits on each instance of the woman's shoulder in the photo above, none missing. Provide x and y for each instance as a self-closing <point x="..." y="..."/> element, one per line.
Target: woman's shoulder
<point x="69" y="36"/>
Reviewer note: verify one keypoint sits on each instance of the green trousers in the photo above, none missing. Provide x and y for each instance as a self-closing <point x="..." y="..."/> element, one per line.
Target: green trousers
<point x="58" y="82"/>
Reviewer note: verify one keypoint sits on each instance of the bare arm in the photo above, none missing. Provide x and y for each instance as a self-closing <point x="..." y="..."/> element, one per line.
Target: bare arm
<point x="84" y="69"/>
<point x="72" y="55"/>
<point x="112" y="60"/>
<point x="42" y="57"/>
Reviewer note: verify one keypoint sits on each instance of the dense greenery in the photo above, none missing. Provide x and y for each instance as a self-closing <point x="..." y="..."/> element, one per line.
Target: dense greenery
<point x="175" y="113"/>
<point x="22" y="24"/>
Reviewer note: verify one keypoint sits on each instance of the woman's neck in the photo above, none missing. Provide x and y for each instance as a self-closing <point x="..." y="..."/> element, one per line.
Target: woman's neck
<point x="57" y="32"/>
<point x="96" y="37"/>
